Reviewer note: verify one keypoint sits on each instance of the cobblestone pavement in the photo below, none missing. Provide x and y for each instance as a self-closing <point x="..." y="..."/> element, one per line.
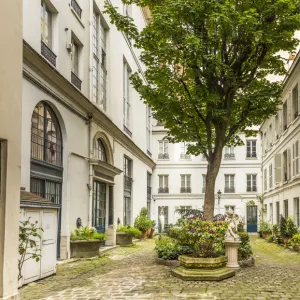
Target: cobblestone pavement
<point x="131" y="273"/>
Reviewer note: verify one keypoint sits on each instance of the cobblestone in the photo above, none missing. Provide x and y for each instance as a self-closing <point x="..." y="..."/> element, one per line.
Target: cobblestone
<point x="131" y="273"/>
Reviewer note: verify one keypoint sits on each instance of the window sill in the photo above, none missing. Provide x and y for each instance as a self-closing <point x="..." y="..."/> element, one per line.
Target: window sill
<point x="77" y="17"/>
<point x="161" y="159"/>
<point x="251" y="158"/>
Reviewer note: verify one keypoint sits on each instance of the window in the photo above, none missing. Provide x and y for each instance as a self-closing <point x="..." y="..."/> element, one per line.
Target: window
<point x="265" y="212"/>
<point x="126" y="95"/>
<point x="185" y="184"/>
<point x="265" y="179"/>
<point x="99" y="150"/>
<point x="286" y="165"/>
<point x="270" y="175"/>
<point x="286" y="208"/>
<point x="296" y="158"/>
<point x="284" y="115"/>
<point x="163" y="184"/>
<point x="148" y="128"/>
<point x="265" y="142"/>
<point x="95" y="58"/>
<point x="127" y="170"/>
<point x="297" y="211"/>
<point x="271" y="213"/>
<point x="183" y="150"/>
<point x="99" y="206"/>
<point x="46" y="24"/>
<point x="75" y="57"/>
<point x="251" y="183"/>
<point x="271" y="135"/>
<point x="149" y="193"/>
<point x="163" y="149"/>
<point x="103" y="63"/>
<point x="277" y="213"/>
<point x="295" y="101"/>
<point x="76" y="8"/>
<point x="229" y="184"/>
<point x="46" y="142"/>
<point x="203" y="183"/>
<point x="47" y="189"/>
<point x="251" y="149"/>
<point x="229" y="153"/>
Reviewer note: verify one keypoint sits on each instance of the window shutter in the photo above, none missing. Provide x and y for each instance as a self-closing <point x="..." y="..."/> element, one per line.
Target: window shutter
<point x="278" y="168"/>
<point x="289" y="113"/>
<point x="289" y="163"/>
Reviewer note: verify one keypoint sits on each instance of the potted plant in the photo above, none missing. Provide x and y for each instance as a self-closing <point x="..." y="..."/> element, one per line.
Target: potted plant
<point x="275" y="231"/>
<point x="290" y="230"/>
<point x="265" y="229"/>
<point x="85" y="242"/>
<point x="142" y="223"/>
<point x="295" y="240"/>
<point x="125" y="234"/>
<point x="207" y="260"/>
<point x="152" y="229"/>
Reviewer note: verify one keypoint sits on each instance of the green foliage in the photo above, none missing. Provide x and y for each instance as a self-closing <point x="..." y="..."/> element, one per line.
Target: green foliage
<point x="142" y="222"/>
<point x="205" y="238"/>
<point x="265" y="227"/>
<point x="86" y="233"/>
<point x="296" y="239"/>
<point x="291" y="228"/>
<point x="168" y="248"/>
<point x="282" y="226"/>
<point x="129" y="230"/>
<point x="29" y="235"/>
<point x="206" y="67"/>
<point x="245" y="249"/>
<point x="271" y="239"/>
<point x="153" y="225"/>
<point x="241" y="226"/>
<point x="144" y="212"/>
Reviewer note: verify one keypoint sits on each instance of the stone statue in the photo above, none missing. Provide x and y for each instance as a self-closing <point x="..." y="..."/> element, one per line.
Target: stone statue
<point x="233" y="220"/>
<point x="162" y="220"/>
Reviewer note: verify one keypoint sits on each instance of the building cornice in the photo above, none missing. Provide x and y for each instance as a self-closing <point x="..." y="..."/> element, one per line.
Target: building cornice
<point x="74" y="100"/>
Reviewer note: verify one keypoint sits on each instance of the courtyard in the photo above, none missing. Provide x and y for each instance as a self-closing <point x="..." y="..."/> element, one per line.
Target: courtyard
<point x="132" y="273"/>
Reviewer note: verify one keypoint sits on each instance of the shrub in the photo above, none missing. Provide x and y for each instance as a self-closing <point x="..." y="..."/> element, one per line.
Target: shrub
<point x="282" y="226"/>
<point x="141" y="222"/>
<point x="144" y="212"/>
<point x="168" y="248"/>
<point x="271" y="239"/>
<point x="296" y="239"/>
<point x="86" y="233"/>
<point x="265" y="227"/>
<point x="291" y="228"/>
<point x="275" y="229"/>
<point x="174" y="232"/>
<point x="129" y="230"/>
<point x="245" y="249"/>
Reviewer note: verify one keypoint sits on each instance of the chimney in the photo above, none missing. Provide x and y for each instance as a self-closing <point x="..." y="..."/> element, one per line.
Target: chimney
<point x="292" y="56"/>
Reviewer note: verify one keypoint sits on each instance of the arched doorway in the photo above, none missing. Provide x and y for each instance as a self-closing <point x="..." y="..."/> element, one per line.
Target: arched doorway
<point x="46" y="167"/>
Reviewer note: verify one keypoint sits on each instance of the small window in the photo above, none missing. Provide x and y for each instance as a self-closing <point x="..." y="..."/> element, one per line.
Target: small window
<point x="99" y="150"/>
<point x="286" y="208"/>
<point x="265" y="179"/>
<point x="185" y="184"/>
<point x="46" y="24"/>
<point x="251" y="183"/>
<point x="284" y="115"/>
<point x="163" y="184"/>
<point x="229" y="184"/>
<point x="163" y="149"/>
<point x="296" y="158"/>
<point x="75" y="57"/>
<point x="295" y="101"/>
<point x="251" y="149"/>
<point x="270" y="175"/>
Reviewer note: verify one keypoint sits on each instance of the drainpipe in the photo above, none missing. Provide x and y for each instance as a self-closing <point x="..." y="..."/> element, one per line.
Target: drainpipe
<point x="90" y="214"/>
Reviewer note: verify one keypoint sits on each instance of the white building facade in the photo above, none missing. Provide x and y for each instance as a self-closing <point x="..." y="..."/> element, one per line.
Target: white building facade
<point x="85" y="132"/>
<point x="280" y="148"/>
<point x="179" y="178"/>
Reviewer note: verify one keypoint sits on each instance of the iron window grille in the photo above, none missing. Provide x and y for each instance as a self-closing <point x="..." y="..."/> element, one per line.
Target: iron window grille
<point x="48" y="54"/>
<point x="75" y="80"/>
<point x="76" y="8"/>
<point x="46" y="141"/>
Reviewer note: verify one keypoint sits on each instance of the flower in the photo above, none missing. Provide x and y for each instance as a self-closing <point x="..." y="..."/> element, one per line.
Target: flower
<point x="192" y="230"/>
<point x="36" y="221"/>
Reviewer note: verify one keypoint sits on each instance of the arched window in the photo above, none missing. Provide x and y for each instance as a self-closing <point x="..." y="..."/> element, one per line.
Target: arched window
<point x="99" y="150"/>
<point x="46" y="141"/>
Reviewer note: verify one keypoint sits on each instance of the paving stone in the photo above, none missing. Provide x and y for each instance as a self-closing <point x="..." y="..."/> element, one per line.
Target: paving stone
<point x="131" y="273"/>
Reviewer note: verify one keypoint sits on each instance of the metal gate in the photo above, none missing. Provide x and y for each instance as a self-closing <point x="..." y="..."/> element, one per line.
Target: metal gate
<point x="252" y="218"/>
<point x="99" y="206"/>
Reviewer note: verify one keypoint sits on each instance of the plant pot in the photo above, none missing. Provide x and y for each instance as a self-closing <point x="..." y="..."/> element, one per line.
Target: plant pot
<point x="286" y="240"/>
<point x="203" y="269"/>
<point x="83" y="249"/>
<point x="144" y="235"/>
<point x="151" y="233"/>
<point x="123" y="238"/>
<point x="265" y="235"/>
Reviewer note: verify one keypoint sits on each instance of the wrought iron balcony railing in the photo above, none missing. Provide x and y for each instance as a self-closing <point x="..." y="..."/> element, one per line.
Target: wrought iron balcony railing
<point x="127" y="182"/>
<point x="229" y="156"/>
<point x="75" y="80"/>
<point x="185" y="190"/>
<point x="185" y="156"/>
<point x="164" y="190"/>
<point x="229" y="189"/>
<point x="76" y="7"/>
<point x="163" y="156"/>
<point x="48" y="54"/>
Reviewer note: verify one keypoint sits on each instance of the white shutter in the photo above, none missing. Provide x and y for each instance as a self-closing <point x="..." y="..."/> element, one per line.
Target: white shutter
<point x="277" y="168"/>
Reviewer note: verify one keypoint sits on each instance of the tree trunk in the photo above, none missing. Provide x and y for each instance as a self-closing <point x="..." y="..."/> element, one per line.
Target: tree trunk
<point x="211" y="175"/>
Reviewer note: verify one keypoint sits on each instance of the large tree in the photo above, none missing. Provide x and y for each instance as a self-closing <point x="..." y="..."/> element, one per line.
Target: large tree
<point x="207" y="63"/>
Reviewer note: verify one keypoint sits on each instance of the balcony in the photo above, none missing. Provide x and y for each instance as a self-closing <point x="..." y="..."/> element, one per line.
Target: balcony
<point x="185" y="156"/>
<point x="229" y="156"/>
<point x="185" y="190"/>
<point x="163" y="190"/>
<point x="75" y="80"/>
<point x="127" y="182"/>
<point x="163" y="156"/>
<point x="251" y="189"/>
<point x="48" y="54"/>
<point x="229" y="189"/>
<point x="76" y="8"/>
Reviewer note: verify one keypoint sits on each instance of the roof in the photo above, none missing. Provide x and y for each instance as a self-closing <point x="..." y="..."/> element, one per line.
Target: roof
<point x="30" y="199"/>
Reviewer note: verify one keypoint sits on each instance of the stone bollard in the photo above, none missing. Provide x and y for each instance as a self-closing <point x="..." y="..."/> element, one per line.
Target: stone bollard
<point x="231" y="248"/>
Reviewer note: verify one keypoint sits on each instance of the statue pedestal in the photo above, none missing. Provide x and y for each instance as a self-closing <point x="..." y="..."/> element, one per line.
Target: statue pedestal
<point x="231" y="248"/>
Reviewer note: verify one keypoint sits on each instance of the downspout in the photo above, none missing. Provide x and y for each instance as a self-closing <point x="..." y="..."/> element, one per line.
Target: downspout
<point x="90" y="214"/>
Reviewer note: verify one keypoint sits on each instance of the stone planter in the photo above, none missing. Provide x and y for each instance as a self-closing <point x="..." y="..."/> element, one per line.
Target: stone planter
<point x="169" y="263"/>
<point x="123" y="238"/>
<point x="83" y="249"/>
<point x="203" y="269"/>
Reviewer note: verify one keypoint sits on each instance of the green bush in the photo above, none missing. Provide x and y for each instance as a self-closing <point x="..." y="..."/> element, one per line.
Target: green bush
<point x="144" y="212"/>
<point x="129" y="230"/>
<point x="168" y="248"/>
<point x="296" y="239"/>
<point x="141" y="222"/>
<point x="291" y="228"/>
<point x="245" y="249"/>
<point x="86" y="233"/>
<point x="265" y="227"/>
<point x="271" y="239"/>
